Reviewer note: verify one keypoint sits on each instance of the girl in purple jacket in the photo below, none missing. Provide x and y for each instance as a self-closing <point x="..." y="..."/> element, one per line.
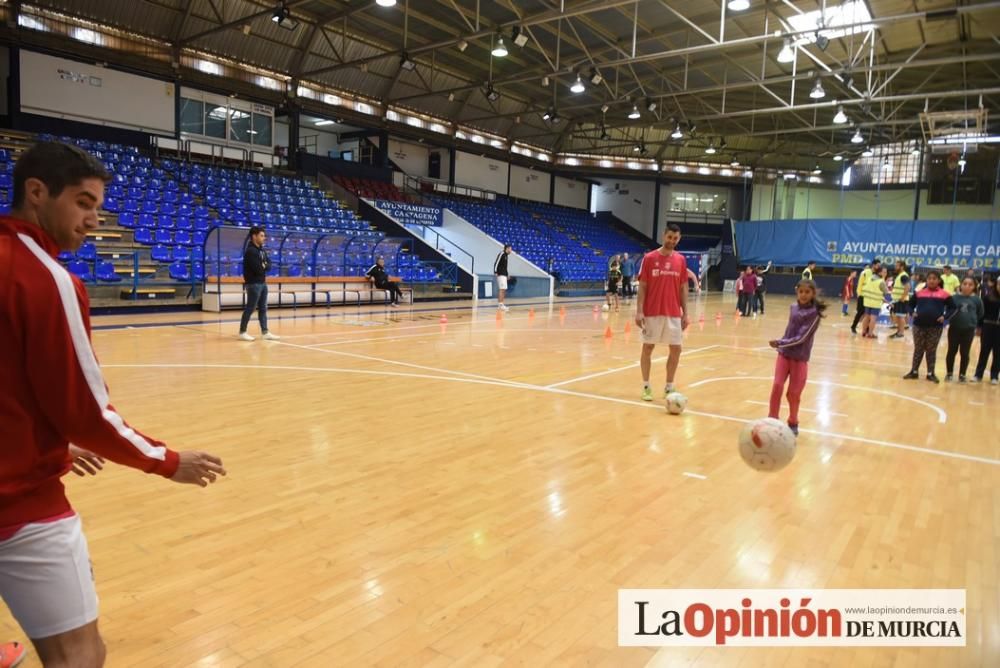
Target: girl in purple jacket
<point x="794" y="349"/>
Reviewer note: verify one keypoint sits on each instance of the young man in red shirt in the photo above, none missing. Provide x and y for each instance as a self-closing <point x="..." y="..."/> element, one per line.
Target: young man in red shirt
<point x="661" y="307"/>
<point x="54" y="394"/>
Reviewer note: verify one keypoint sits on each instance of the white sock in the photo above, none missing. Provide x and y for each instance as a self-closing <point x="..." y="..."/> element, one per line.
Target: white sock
<point x="669" y="387"/>
<point x="645" y="385"/>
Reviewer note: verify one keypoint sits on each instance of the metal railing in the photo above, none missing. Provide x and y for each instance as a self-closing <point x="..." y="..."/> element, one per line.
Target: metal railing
<point x="438" y="239"/>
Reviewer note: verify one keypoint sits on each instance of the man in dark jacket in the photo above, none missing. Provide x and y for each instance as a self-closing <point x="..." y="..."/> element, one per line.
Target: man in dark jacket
<point x="502" y="275"/>
<point x="380" y="277"/>
<point x="255" y="266"/>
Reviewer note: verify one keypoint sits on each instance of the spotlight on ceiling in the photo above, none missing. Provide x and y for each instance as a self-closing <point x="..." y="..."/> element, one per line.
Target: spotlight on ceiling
<point x="500" y="51"/>
<point x="916" y="149"/>
<point x="817" y="170"/>
<point x="846" y="77"/>
<point x="545" y="81"/>
<point x="634" y="114"/>
<point x="787" y="53"/>
<point x="840" y="118"/>
<point x="822" y="41"/>
<point x="734" y="163"/>
<point x="462" y="45"/>
<point x="451" y="97"/>
<point x="868" y="152"/>
<point x="677" y="134"/>
<point x="838" y="158"/>
<point x="520" y="36"/>
<point x="961" y="163"/>
<point x="555" y="118"/>
<point x="577" y="86"/>
<point x="547" y="115"/>
<point x="650" y="104"/>
<point x="283" y="18"/>
<point x="642" y="149"/>
<point x="857" y="138"/>
<point x="406" y="63"/>
<point x="491" y="93"/>
<point x="710" y="149"/>
<point x="385" y="3"/>
<point x="817" y="92"/>
<point x="738" y="5"/>
<point x="635" y="149"/>
<point x="595" y="76"/>
<point x="604" y="133"/>
<point x="604" y="108"/>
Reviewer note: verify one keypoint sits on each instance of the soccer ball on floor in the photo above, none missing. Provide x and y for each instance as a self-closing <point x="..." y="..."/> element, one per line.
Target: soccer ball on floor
<point x="605" y="308"/>
<point x="676" y="402"/>
<point x="767" y="444"/>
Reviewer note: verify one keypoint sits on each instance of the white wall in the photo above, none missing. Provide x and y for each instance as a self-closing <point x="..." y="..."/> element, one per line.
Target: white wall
<point x="529" y="184"/>
<point x="631" y="201"/>
<point x="481" y="172"/>
<point x="68" y="89"/>
<point x="411" y="158"/>
<point x="445" y="162"/>
<point x="571" y="193"/>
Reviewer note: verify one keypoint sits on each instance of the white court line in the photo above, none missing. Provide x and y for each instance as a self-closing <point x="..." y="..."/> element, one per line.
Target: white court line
<point x="621" y="368"/>
<point x="695" y="475"/>
<point x="942" y="416"/>
<point x="808" y="410"/>
<point x="521" y="386"/>
<point x="410" y="365"/>
<point x="373" y="338"/>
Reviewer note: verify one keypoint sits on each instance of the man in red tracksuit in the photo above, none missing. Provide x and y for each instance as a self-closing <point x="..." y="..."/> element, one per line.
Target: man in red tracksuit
<point x="52" y="394"/>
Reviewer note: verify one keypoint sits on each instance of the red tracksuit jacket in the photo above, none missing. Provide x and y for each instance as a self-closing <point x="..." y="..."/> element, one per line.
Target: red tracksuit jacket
<point x="52" y="392"/>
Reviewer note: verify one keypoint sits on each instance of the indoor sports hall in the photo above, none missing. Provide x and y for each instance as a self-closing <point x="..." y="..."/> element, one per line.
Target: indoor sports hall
<point x="397" y="266"/>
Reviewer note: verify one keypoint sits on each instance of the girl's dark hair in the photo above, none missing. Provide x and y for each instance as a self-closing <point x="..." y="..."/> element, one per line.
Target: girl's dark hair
<point x="933" y="272"/>
<point x="817" y="302"/>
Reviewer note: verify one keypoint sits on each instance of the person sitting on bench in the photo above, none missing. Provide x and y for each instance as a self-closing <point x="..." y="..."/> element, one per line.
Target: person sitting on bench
<point x="380" y="277"/>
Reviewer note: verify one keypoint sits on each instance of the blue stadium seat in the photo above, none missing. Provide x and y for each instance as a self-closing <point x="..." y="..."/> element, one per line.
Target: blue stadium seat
<point x="161" y="253"/>
<point x="81" y="269"/>
<point x="88" y="252"/>
<point x="144" y="235"/>
<point x="180" y="271"/>
<point x="106" y="272"/>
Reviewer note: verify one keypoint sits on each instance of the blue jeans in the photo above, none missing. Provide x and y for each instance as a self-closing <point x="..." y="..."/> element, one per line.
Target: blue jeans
<point x="256" y="299"/>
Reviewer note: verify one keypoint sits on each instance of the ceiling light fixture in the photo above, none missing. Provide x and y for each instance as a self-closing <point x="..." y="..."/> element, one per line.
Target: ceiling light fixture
<point x="519" y="36"/>
<point x="385" y="3"/>
<point x="634" y="114"/>
<point x="840" y="118"/>
<point x="677" y="134"/>
<point x="738" y="5"/>
<point x="857" y="138"/>
<point x="787" y="53"/>
<point x="500" y="51"/>
<point x="915" y="150"/>
<point x="650" y="104"/>
<point x="838" y="158"/>
<point x="406" y="63"/>
<point x="734" y="163"/>
<point x="710" y="149"/>
<point x="577" y="86"/>
<point x="462" y="45"/>
<point x="595" y="76"/>
<point x="545" y="81"/>
<point x="867" y="153"/>
<point x="604" y="108"/>
<point x="491" y="93"/>
<point x="817" y="170"/>
<point x="817" y="92"/>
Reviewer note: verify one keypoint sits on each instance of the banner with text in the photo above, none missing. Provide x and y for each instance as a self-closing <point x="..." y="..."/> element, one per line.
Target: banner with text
<point x="833" y="242"/>
<point x="410" y="214"/>
<point x="791" y="617"/>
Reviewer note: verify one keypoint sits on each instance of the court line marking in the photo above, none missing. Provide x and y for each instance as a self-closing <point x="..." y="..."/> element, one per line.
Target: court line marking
<point x="695" y="475"/>
<point x="808" y="410"/>
<point x="942" y="415"/>
<point x="621" y="368"/>
<point x="539" y="388"/>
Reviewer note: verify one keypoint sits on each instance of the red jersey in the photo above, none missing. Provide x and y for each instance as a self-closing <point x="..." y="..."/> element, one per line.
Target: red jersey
<point x="848" y="290"/>
<point x="53" y="393"/>
<point x="666" y="279"/>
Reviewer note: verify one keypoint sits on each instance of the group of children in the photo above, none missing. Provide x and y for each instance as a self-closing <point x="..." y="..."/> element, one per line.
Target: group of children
<point x="750" y="290"/>
<point x="935" y="302"/>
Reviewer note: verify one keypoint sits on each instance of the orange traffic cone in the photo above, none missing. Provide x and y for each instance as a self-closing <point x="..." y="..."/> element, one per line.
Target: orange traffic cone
<point x="596" y="308"/>
<point x="499" y="314"/>
<point x="531" y="313"/>
<point x="562" y="311"/>
<point x="607" y="333"/>
<point x="628" y="326"/>
<point x="444" y="319"/>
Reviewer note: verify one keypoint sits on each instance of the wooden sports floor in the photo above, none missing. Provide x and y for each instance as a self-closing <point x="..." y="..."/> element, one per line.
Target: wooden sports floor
<point x="403" y="493"/>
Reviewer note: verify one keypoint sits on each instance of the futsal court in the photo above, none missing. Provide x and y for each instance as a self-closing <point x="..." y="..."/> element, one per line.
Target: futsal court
<point x="405" y="491"/>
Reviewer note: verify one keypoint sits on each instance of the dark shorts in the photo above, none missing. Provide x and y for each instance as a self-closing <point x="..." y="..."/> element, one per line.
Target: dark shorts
<point x="612" y="288"/>
<point x="901" y="308"/>
<point x="872" y="311"/>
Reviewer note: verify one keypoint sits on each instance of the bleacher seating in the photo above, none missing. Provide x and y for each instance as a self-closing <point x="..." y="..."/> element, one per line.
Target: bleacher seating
<point x="579" y="246"/>
<point x="169" y="208"/>
<point x="372" y="189"/>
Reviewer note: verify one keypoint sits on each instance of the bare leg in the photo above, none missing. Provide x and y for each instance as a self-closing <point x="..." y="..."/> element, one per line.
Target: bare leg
<point x="646" y="360"/>
<point x="503" y="293"/>
<point x="79" y="648"/>
<point x="672" y="361"/>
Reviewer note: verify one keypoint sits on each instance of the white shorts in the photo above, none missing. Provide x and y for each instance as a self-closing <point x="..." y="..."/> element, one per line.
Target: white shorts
<point x="46" y="579"/>
<point x="501" y="282"/>
<point x="662" y="329"/>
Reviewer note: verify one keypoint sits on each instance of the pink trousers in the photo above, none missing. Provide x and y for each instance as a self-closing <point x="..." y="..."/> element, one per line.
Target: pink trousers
<point x="796" y="372"/>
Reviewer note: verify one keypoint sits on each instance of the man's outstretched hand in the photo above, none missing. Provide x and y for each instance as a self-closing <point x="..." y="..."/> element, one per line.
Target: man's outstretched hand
<point x="198" y="468"/>
<point x="85" y="461"/>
